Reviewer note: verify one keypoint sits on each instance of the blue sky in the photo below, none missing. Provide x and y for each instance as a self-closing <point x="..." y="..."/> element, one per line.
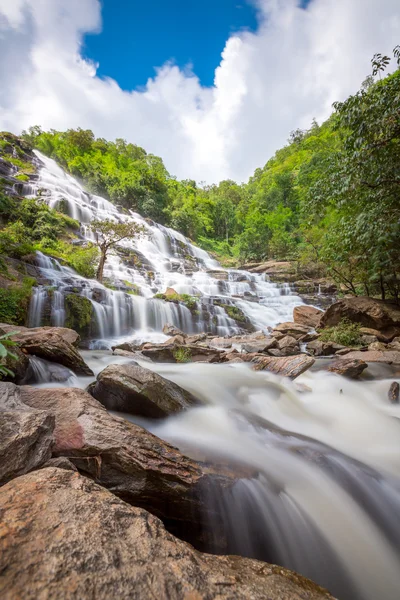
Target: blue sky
<point x="139" y="35"/>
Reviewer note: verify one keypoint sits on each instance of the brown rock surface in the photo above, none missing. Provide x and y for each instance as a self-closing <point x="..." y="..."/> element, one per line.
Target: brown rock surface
<point x="125" y="458"/>
<point x="26" y="434"/>
<point x="307" y="315"/>
<point x="290" y="366"/>
<point x="162" y="353"/>
<point x="394" y="392"/>
<point x="69" y="335"/>
<point x="348" y="367"/>
<point x="139" y="391"/>
<point x="390" y="357"/>
<point x="64" y="537"/>
<point x="318" y="348"/>
<point x="368" y="312"/>
<point x="51" y="344"/>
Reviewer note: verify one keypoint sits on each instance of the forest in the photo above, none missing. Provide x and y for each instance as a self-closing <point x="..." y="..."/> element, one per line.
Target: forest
<point x="330" y="198"/>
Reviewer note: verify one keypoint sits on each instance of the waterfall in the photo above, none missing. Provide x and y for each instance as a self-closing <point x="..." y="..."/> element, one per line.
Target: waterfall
<point x="164" y="259"/>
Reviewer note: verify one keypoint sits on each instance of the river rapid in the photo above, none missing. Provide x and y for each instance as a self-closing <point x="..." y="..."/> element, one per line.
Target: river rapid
<point x="325" y="450"/>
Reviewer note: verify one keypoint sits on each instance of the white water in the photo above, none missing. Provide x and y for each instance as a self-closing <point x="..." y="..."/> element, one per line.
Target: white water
<point x="170" y="261"/>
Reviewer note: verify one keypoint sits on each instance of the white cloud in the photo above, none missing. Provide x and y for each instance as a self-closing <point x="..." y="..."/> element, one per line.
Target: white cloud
<point x="267" y="83"/>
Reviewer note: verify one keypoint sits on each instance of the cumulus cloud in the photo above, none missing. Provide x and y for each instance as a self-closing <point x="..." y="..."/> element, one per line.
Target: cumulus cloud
<point x="269" y="82"/>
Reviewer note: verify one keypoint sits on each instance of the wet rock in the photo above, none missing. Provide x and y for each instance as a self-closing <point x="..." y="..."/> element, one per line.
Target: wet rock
<point x="128" y="460"/>
<point x="307" y="315"/>
<point x="391" y="357"/>
<point x="394" y="392"/>
<point x="318" y="348"/>
<point x="52" y="346"/>
<point x="171" y="330"/>
<point x="25" y="434"/>
<point x="175" y="353"/>
<point x="80" y="541"/>
<point x="69" y="335"/>
<point x="293" y="329"/>
<point x="170" y="292"/>
<point x="291" y="366"/>
<point x="369" y="312"/>
<point x="220" y="275"/>
<point x="260" y="345"/>
<point x="176" y="340"/>
<point x="196" y="338"/>
<point x="348" y="367"/>
<point x="288" y="345"/>
<point x="139" y="391"/>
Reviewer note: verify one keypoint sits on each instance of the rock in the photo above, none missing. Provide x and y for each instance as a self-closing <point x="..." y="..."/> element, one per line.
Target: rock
<point x="64" y="537"/>
<point x="318" y="348"/>
<point x="26" y="434"/>
<point x="260" y="345"/>
<point x="394" y="392"/>
<point x="69" y="335"/>
<point x="60" y="462"/>
<point x="129" y="461"/>
<point x="172" y="353"/>
<point x="348" y="367"/>
<point x="171" y="330"/>
<point x="176" y="340"/>
<point x="395" y="344"/>
<point x="391" y="357"/>
<point x="344" y="351"/>
<point x="291" y="366"/>
<point x="139" y="391"/>
<point x="170" y="292"/>
<point x="378" y="336"/>
<point x="377" y="346"/>
<point x="219" y="342"/>
<point x="48" y="344"/>
<point x="194" y="339"/>
<point x="368" y="339"/>
<point x="369" y="312"/>
<point x="307" y="315"/>
<point x="293" y="329"/>
<point x="288" y="345"/>
<point x="131" y="347"/>
<point x="19" y="366"/>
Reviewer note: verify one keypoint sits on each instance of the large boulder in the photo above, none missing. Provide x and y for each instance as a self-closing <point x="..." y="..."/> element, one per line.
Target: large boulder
<point x="171" y="330"/>
<point x="69" y="335"/>
<point x="293" y="329"/>
<point x="64" y="537"/>
<point x="26" y="434"/>
<point x="173" y="353"/>
<point x="307" y="315"/>
<point x="128" y="460"/>
<point x="139" y="391"/>
<point x="369" y="312"/>
<point x="51" y="344"/>
<point x="391" y="357"/>
<point x="348" y="367"/>
<point x="290" y="366"/>
<point x="319" y="348"/>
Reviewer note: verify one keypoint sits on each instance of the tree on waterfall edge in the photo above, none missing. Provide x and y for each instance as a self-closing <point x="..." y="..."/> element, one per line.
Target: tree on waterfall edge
<point x="109" y="234"/>
<point x="328" y="200"/>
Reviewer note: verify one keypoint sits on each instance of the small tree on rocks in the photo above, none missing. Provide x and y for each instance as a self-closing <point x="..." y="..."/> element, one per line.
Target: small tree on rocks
<point x="108" y="234"/>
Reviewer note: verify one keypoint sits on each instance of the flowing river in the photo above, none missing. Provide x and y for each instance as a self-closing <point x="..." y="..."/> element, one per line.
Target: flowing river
<point x="325" y="497"/>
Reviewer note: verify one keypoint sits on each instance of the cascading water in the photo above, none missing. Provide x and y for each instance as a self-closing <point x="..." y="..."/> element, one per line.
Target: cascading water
<point x="167" y="260"/>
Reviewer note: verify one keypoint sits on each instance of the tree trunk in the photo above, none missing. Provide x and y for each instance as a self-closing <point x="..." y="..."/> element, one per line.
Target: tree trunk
<point x="100" y="268"/>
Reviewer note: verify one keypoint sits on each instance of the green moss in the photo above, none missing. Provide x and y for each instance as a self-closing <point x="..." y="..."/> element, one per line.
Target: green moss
<point x="14" y="302"/>
<point x="345" y="333"/>
<point x="233" y="312"/>
<point x="22" y="177"/>
<point x="23" y="165"/>
<point x="79" y="313"/>
<point x="182" y="354"/>
<point x="189" y="301"/>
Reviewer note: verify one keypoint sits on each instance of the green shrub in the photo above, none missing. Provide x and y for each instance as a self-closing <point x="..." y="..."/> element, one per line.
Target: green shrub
<point x="14" y="302"/>
<point x="345" y="333"/>
<point x="182" y="354"/>
<point x="6" y="356"/>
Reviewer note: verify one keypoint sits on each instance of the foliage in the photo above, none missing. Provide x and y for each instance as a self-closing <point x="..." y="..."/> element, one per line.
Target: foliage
<point x="5" y="354"/>
<point x="345" y="333"/>
<point x="79" y="313"/>
<point x="182" y="354"/>
<point x="189" y="301"/>
<point x="14" y="302"/>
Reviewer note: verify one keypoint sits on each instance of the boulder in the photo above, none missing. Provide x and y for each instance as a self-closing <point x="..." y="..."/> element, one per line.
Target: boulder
<point x="293" y="329"/>
<point x="318" y="348"/>
<point x="394" y="392"/>
<point x="348" y="367"/>
<point x="139" y="391"/>
<point x="288" y="345"/>
<point x="378" y="336"/>
<point x="307" y="315"/>
<point x="173" y="353"/>
<point x="128" y="460"/>
<point x="171" y="330"/>
<point x="52" y="346"/>
<point x="369" y="312"/>
<point x="260" y="345"/>
<point x="69" y="335"/>
<point x="394" y="345"/>
<point x="64" y="537"/>
<point x="194" y="339"/>
<point x="391" y="357"/>
<point x="377" y="346"/>
<point x="291" y="366"/>
<point x="170" y="292"/>
<point x="26" y="434"/>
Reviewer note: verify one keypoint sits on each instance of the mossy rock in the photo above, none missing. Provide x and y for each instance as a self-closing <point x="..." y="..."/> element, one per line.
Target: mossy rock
<point x="79" y="314"/>
<point x="14" y="302"/>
